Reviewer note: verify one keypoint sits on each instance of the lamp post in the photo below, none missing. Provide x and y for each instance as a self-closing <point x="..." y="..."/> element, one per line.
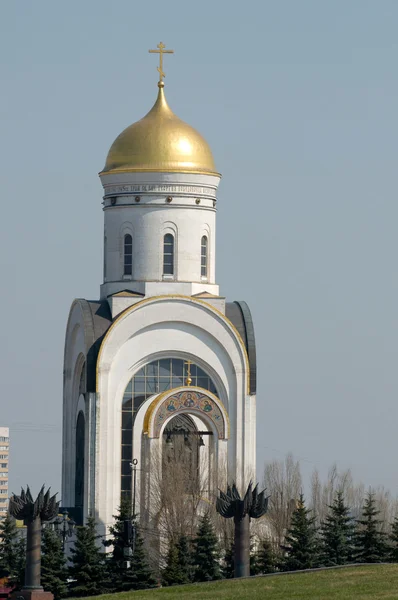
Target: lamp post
<point x="64" y="526"/>
<point x="130" y="526"/>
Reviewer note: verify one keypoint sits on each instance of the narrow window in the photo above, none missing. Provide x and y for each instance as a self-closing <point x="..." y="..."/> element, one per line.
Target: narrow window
<point x="128" y="254"/>
<point x="168" y="254"/>
<point x="203" y="257"/>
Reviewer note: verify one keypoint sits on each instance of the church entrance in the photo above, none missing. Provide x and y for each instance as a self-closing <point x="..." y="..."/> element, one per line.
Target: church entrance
<point x="183" y="452"/>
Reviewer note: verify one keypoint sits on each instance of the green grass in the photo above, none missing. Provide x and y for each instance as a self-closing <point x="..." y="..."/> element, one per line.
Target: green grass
<point x="373" y="582"/>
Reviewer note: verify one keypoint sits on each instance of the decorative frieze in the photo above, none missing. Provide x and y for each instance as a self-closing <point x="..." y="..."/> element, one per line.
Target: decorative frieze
<point x="159" y="188"/>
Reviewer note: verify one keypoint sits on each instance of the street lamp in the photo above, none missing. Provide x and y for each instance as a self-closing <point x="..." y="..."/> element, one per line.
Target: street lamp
<point x="64" y="526"/>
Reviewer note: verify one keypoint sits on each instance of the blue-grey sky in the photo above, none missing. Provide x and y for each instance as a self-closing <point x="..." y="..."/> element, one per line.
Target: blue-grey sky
<point x="298" y="101"/>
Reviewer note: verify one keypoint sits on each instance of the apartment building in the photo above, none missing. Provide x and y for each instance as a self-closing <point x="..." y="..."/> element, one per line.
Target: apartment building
<point x="4" y="453"/>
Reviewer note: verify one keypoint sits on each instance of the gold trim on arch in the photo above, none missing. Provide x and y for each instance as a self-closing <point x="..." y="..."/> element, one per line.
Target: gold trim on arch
<point x="139" y="304"/>
<point x="157" y="401"/>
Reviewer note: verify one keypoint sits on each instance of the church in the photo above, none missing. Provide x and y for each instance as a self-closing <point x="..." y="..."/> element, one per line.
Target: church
<point x="161" y="366"/>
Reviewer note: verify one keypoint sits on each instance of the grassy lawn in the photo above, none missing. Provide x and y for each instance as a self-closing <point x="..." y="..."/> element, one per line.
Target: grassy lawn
<point x="357" y="583"/>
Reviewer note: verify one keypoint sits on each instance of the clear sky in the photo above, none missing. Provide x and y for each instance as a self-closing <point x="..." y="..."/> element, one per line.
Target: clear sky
<point x="298" y="101"/>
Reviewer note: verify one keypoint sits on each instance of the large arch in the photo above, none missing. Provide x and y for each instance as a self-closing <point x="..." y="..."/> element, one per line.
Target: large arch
<point x="192" y="400"/>
<point x="154" y="419"/>
<point x="175" y="326"/>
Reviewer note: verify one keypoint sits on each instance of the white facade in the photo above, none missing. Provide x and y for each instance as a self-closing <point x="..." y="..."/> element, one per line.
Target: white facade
<point x="146" y="315"/>
<point x="147" y="207"/>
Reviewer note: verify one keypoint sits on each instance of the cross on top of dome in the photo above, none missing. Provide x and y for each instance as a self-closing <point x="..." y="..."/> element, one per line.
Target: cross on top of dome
<point x="161" y="51"/>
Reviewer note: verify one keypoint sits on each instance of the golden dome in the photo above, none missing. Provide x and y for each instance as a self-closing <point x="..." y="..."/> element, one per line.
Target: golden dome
<point x="160" y="142"/>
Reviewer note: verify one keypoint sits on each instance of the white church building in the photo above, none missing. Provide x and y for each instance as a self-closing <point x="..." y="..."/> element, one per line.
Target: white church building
<point x="161" y="355"/>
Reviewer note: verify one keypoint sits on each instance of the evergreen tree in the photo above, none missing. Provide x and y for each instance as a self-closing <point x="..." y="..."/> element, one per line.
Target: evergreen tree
<point x="138" y="575"/>
<point x="54" y="573"/>
<point x="254" y="564"/>
<point x="171" y="574"/>
<point x="337" y="534"/>
<point x="206" y="552"/>
<point x="87" y="570"/>
<point x="370" y="542"/>
<point x="12" y="552"/>
<point x="19" y="578"/>
<point x="185" y="559"/>
<point x="301" y="543"/>
<point x="116" y="561"/>
<point x="228" y="567"/>
<point x="266" y="558"/>
<point x="394" y="541"/>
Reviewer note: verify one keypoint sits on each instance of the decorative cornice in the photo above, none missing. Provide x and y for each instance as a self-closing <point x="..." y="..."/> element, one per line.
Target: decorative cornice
<point x="159" y="188"/>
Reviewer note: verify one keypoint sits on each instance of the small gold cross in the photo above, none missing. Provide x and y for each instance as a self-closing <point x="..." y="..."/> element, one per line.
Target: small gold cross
<point x="161" y="51"/>
<point x="188" y="380"/>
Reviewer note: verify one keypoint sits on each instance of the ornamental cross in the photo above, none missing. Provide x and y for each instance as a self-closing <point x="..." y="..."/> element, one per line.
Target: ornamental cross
<point x="161" y="51"/>
<point x="188" y="379"/>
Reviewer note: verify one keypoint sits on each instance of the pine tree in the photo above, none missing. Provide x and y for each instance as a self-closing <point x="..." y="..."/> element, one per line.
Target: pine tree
<point x="185" y="559"/>
<point x="266" y="558"/>
<point x="370" y="542"/>
<point x="138" y="575"/>
<point x="116" y="562"/>
<point x="171" y="574"/>
<point x="394" y="541"/>
<point x="228" y="567"/>
<point x="19" y="579"/>
<point x="301" y="544"/>
<point x="11" y="552"/>
<point x="337" y="534"/>
<point x="206" y="552"/>
<point x="88" y="570"/>
<point x="54" y="573"/>
<point x="254" y="564"/>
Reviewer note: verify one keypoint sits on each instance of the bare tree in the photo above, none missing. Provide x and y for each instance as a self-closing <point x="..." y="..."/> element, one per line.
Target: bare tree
<point x="180" y="495"/>
<point x="283" y="481"/>
<point x="387" y="505"/>
<point x="284" y="485"/>
<point x="315" y="502"/>
<point x="323" y="493"/>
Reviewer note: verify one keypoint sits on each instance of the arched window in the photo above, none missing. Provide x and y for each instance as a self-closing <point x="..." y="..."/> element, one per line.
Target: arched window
<point x="157" y="376"/>
<point x="128" y="255"/>
<point x="168" y="254"/>
<point x="203" y="256"/>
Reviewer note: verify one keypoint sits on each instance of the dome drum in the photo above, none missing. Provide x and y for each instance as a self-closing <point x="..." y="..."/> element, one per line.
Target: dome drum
<point x="171" y="189"/>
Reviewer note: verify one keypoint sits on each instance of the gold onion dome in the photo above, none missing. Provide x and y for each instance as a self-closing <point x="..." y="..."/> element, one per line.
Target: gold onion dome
<point x="160" y="141"/>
